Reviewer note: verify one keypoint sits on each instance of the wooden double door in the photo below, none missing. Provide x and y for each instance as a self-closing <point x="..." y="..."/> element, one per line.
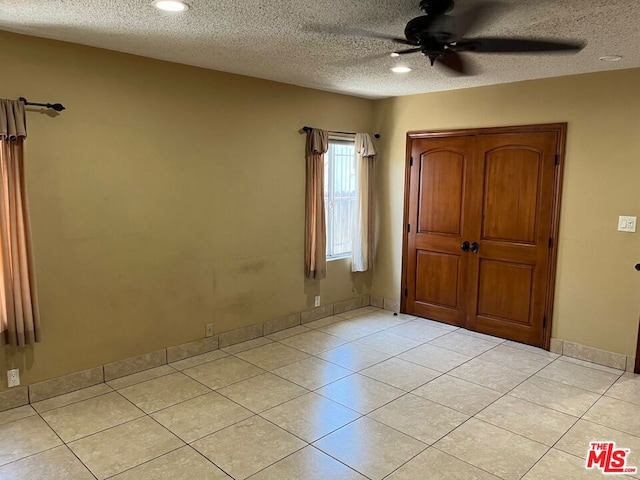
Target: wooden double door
<point x="481" y="214"/>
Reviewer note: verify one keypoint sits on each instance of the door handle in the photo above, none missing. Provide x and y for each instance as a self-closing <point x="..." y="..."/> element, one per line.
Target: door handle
<point x="465" y="246"/>
<point x="474" y="247"/>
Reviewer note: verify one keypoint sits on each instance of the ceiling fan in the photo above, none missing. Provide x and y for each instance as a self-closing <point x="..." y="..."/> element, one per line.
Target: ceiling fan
<point x="440" y="37"/>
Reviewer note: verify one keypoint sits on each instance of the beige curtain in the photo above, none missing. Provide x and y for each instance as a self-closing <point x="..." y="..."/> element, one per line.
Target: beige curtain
<point x="362" y="252"/>
<point x="315" y="229"/>
<point x="19" y="318"/>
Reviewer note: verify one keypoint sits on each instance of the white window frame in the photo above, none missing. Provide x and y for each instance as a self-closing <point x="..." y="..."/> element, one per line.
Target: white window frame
<point x="329" y="199"/>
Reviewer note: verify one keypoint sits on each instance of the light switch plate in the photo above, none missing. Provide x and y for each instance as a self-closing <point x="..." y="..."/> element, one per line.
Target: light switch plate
<point x="627" y="224"/>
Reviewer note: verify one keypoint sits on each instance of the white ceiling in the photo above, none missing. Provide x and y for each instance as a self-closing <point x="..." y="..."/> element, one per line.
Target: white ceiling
<point x="279" y="40"/>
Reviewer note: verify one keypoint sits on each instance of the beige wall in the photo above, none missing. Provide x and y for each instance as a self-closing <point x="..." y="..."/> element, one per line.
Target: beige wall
<point x="166" y="197"/>
<point x="598" y="291"/>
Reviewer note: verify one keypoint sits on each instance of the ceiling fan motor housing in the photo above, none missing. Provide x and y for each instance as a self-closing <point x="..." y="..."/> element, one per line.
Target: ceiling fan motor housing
<point x="422" y="31"/>
<point x="436" y="7"/>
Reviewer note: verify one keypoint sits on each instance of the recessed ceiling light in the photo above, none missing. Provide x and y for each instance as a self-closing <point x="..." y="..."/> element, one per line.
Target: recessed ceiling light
<point x="611" y="58"/>
<point x="400" y="69"/>
<point x="395" y="54"/>
<point x="171" y="5"/>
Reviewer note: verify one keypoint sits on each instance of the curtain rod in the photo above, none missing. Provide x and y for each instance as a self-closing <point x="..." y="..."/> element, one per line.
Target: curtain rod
<point x="58" y="107"/>
<point x="306" y="129"/>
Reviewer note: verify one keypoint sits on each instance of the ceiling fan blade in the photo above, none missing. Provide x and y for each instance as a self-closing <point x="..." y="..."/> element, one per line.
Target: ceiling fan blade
<point x="454" y="62"/>
<point x="354" y="32"/>
<point x="409" y="50"/>
<point x="514" y="45"/>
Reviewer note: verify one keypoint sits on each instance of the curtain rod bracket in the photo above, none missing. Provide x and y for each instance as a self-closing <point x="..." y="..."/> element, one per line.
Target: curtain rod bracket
<point x="306" y="129"/>
<point x="58" y="107"/>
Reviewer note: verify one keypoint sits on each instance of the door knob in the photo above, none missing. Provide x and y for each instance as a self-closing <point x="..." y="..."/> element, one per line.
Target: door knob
<point x="638" y="266"/>
<point x="474" y="247"/>
<point x="465" y="246"/>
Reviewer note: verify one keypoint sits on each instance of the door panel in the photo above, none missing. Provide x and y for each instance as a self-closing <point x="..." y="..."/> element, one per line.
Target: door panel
<point x="437" y="277"/>
<point x="514" y="282"/>
<point x="441" y="182"/>
<point x="512" y="177"/>
<point x="436" y="266"/>
<point x="512" y="264"/>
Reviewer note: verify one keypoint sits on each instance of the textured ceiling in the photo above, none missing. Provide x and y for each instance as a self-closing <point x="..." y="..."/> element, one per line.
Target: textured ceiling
<point x="279" y="40"/>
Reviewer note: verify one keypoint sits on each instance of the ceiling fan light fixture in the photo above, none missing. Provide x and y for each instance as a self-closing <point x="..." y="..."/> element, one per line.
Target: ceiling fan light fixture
<point x="395" y="54"/>
<point x="611" y="58"/>
<point x="171" y="5"/>
<point x="400" y="69"/>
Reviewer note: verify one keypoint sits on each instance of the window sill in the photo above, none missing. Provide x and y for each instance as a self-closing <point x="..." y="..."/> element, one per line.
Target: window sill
<point x="341" y="257"/>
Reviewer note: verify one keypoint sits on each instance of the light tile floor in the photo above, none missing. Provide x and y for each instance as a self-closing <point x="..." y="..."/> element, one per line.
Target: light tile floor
<point x="365" y="394"/>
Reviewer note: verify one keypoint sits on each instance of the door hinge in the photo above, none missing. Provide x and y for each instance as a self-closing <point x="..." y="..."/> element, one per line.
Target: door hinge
<point x="406" y="292"/>
<point x="544" y="322"/>
<point x="557" y="159"/>
<point x="408" y="227"/>
<point x="550" y="242"/>
<point x="411" y="161"/>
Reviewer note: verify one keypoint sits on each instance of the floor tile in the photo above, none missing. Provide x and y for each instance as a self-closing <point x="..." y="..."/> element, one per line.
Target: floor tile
<point x="311" y="416"/>
<point x="223" y="372"/>
<point x="576" y="441"/>
<point x="16" y="414"/>
<point x="248" y="447"/>
<point x="627" y="388"/>
<point x="497" y="451"/>
<point x="349" y="330"/>
<point x="288" y="332"/>
<point x="201" y="416"/>
<point x="356" y="312"/>
<point x="528" y="419"/>
<point x="182" y="464"/>
<point x="440" y="467"/>
<point x="313" y="342"/>
<point x="594" y="366"/>
<point x="308" y="464"/>
<point x="401" y="374"/>
<point x="558" y="396"/>
<point x="123" y="447"/>
<point x="434" y="323"/>
<point x="578" y="376"/>
<point x="488" y="374"/>
<point x="371" y="448"/>
<point x="25" y="437"/>
<point x="388" y="342"/>
<point x="531" y="349"/>
<point x="419" y="418"/>
<point x="435" y="358"/>
<point x="516" y="359"/>
<point x="140" y="377"/>
<point x="55" y="464"/>
<point x="465" y="344"/>
<point x="312" y="373"/>
<point x="354" y="357"/>
<point x="73" y="397"/>
<point x="90" y="416"/>
<point x="617" y="414"/>
<point x="323" y="322"/>
<point x="181" y="365"/>
<point x="262" y="392"/>
<point x="418" y="331"/>
<point x="163" y="392"/>
<point x="458" y="394"/>
<point x="558" y="465"/>
<point x="482" y="336"/>
<point x="248" y="345"/>
<point x="360" y="393"/>
<point x="272" y="356"/>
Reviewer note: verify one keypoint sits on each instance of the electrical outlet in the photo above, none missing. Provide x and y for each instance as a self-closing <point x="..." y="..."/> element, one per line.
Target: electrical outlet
<point x="209" y="331"/>
<point x="317" y="304"/>
<point x="13" y="378"/>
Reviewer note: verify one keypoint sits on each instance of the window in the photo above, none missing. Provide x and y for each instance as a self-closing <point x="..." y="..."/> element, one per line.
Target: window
<point x="340" y="196"/>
